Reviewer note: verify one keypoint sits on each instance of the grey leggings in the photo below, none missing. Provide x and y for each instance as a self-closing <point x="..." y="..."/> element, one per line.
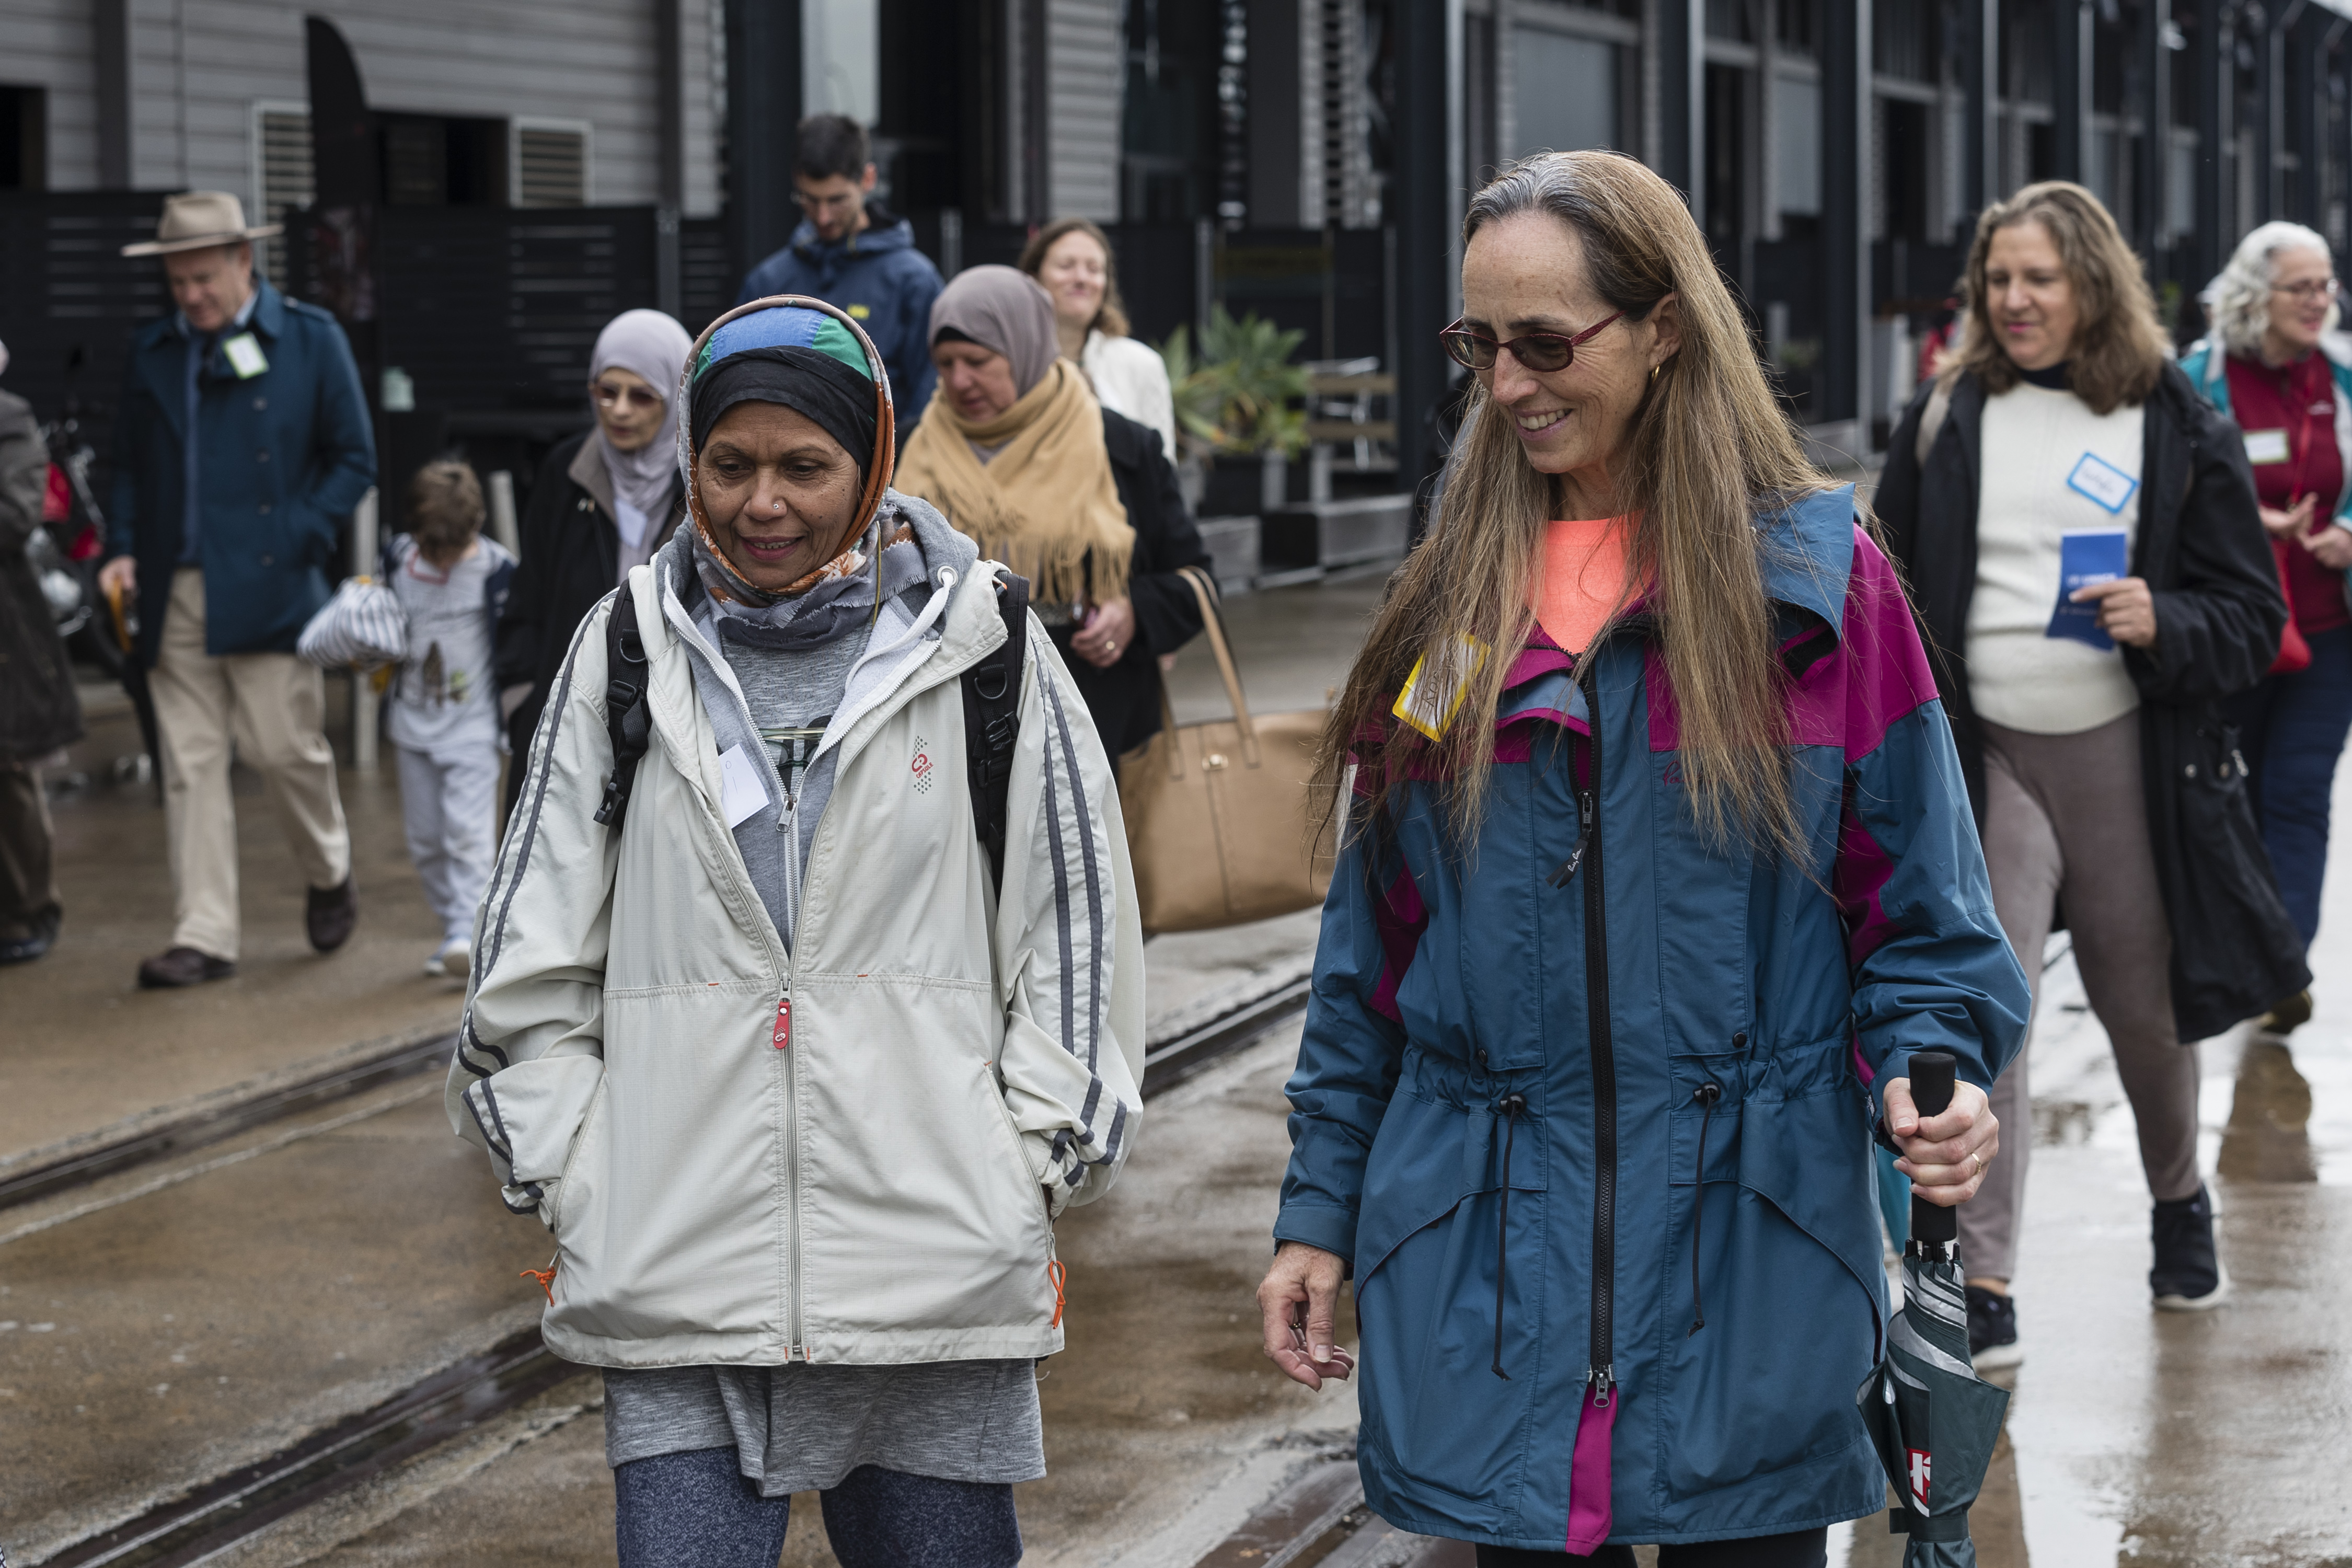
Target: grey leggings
<point x="696" y="1511"/>
<point x="2065" y="820"/>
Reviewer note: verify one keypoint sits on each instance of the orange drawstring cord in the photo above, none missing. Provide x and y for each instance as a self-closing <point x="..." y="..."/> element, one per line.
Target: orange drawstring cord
<point x="546" y="1278"/>
<point x="1059" y="1273"/>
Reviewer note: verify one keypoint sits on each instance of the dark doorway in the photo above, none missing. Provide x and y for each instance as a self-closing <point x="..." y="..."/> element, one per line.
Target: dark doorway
<point x="438" y="160"/>
<point x="23" y="139"/>
<point x="1723" y="216"/>
<point x="1905" y="177"/>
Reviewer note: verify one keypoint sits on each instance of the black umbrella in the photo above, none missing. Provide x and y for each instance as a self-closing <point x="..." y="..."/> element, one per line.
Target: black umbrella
<point x="1934" y="1421"/>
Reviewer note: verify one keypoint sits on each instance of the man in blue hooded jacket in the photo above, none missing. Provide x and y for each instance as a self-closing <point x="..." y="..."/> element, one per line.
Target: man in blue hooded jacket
<point x="850" y="252"/>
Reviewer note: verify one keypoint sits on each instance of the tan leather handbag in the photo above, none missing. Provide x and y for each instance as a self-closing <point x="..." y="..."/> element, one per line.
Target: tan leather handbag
<point x="1220" y="822"/>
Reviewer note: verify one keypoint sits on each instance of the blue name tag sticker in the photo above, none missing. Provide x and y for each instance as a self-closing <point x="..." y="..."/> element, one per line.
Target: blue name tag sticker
<point x="2099" y="480"/>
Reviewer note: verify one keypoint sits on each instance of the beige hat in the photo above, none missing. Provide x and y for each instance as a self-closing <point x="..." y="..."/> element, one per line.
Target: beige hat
<point x="196" y="220"/>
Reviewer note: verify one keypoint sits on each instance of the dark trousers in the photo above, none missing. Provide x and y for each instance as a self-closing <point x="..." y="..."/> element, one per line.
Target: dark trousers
<point x="1798" y="1549"/>
<point x="696" y="1511"/>
<point x="2292" y="728"/>
<point x="28" y="884"/>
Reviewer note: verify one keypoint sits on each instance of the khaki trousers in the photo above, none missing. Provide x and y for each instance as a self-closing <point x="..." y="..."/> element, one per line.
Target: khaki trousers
<point x="2065" y="820"/>
<point x="268" y="709"/>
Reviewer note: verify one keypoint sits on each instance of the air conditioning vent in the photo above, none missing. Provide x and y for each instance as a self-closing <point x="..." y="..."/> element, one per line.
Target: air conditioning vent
<point x="281" y="175"/>
<point x="550" y="164"/>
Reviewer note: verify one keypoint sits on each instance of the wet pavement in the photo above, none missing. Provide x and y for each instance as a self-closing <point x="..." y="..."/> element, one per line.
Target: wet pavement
<point x="86" y="1055"/>
<point x="323" y="1261"/>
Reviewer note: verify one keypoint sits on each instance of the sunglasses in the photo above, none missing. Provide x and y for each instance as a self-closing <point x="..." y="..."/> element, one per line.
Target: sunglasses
<point x="634" y="397"/>
<point x="1541" y="352"/>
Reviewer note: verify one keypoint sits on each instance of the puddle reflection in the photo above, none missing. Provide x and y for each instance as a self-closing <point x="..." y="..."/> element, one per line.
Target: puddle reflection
<point x="2269" y="1135"/>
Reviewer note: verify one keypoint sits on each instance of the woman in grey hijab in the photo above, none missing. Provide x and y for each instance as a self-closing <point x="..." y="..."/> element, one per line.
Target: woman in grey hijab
<point x="604" y="502"/>
<point x="1082" y="501"/>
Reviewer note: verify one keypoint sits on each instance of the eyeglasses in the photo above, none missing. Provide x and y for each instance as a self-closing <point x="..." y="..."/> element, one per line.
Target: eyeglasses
<point x="1539" y="351"/>
<point x="636" y="397"/>
<point x="2307" y="292"/>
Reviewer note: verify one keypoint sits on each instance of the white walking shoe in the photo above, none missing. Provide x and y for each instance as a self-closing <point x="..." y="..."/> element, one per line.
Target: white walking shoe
<point x="450" y="961"/>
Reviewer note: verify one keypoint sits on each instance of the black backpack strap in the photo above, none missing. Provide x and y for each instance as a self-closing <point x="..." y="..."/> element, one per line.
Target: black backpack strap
<point x="626" y="717"/>
<point x="991" y="720"/>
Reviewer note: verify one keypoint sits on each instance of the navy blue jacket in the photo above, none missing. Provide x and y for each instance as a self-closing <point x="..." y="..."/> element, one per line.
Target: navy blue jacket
<point x="885" y="284"/>
<point x="1499" y="1017"/>
<point x="282" y="459"/>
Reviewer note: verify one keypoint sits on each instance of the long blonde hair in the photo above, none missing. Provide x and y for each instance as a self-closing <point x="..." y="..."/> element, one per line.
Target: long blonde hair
<point x="2120" y="346"/>
<point x="1707" y="448"/>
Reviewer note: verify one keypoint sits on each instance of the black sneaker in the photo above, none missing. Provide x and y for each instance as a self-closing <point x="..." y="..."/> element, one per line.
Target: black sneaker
<point x="1992" y="1330"/>
<point x="2188" y="1276"/>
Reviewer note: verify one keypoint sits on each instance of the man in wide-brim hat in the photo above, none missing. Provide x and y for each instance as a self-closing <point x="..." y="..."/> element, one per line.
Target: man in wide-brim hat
<point x="242" y="443"/>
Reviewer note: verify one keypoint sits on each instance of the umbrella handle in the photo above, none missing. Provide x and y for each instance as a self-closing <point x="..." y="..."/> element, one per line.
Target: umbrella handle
<point x="1932" y="1079"/>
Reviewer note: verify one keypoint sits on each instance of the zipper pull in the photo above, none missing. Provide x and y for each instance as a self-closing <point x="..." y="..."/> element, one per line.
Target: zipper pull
<point x="784" y="1024"/>
<point x="1560" y="878"/>
<point x="1602" y="1381"/>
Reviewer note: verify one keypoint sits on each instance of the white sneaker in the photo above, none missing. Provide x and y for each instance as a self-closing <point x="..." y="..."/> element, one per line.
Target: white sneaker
<point x="449" y="961"/>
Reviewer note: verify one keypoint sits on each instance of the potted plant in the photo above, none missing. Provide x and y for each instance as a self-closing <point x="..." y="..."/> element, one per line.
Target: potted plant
<point x="1239" y="398"/>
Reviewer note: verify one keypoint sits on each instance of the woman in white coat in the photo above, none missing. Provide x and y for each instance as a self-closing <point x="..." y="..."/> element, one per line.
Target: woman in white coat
<point x="1071" y="258"/>
<point x="796" y="1080"/>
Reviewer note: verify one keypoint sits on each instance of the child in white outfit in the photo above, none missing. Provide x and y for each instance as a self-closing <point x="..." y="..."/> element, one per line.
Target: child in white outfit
<point x="444" y="724"/>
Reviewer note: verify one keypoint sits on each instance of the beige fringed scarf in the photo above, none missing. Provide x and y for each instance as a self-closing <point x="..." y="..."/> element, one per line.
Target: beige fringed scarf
<point x="1045" y="505"/>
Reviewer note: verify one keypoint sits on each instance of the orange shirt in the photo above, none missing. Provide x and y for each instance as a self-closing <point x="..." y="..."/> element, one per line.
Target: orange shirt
<point x="1578" y="576"/>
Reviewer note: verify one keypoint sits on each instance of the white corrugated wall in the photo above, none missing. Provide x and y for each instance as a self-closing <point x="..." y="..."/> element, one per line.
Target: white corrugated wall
<point x="1086" y="73"/>
<point x="198" y="67"/>
<point x="46" y="43"/>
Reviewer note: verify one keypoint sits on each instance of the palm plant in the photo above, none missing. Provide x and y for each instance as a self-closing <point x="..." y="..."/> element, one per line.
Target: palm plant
<point x="1239" y="396"/>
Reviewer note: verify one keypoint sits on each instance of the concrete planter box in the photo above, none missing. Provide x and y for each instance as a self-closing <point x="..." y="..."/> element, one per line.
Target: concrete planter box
<point x="1232" y="552"/>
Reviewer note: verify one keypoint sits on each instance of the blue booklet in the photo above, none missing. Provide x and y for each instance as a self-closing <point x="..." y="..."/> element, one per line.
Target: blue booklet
<point x="2091" y="555"/>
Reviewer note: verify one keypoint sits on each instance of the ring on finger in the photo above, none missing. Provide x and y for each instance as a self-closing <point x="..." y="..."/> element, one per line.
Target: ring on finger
<point x="1979" y="1160"/>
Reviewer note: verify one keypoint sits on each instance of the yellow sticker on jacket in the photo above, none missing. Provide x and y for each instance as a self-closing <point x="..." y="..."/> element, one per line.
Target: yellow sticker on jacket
<point x="861" y="312"/>
<point x="1431" y="694"/>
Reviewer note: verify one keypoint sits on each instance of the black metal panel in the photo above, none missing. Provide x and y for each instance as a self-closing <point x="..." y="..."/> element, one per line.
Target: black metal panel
<point x="1979" y="52"/>
<point x="1424" y="214"/>
<point x="1844" y="238"/>
<point x="763" y="111"/>
<point x="2069" y="73"/>
<point x="2152" y="60"/>
<point x="2210" y="57"/>
<point x="65" y="288"/>
<point x="501" y="308"/>
<point x="708" y="280"/>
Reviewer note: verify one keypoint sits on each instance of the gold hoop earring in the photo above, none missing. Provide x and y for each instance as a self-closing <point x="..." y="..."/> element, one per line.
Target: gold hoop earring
<point x="1655" y="369"/>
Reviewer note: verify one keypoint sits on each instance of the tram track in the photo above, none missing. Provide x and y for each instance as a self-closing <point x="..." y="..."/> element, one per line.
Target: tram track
<point x="217" y="1515"/>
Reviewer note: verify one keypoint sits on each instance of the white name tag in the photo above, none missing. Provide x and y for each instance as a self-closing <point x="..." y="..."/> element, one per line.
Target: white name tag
<point x="244" y="357"/>
<point x="741" y="788"/>
<point x="2102" y="481"/>
<point x="2264" y="446"/>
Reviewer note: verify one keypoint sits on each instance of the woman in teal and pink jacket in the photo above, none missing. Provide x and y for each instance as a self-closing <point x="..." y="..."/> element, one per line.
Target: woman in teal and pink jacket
<point x="1657" y="867"/>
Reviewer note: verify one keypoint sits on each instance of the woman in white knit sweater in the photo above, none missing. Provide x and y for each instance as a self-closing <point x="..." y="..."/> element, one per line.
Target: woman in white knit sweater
<point x="1073" y="259"/>
<point x="2080" y="533"/>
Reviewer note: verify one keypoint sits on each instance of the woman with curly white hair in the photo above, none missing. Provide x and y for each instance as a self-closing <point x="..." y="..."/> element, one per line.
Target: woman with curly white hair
<point x="2275" y="363"/>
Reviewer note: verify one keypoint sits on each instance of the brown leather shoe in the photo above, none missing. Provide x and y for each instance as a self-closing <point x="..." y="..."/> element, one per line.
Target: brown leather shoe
<point x="329" y="914"/>
<point x="181" y="966"/>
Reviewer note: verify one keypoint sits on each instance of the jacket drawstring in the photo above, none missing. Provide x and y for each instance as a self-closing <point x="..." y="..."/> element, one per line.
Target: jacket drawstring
<point x="1707" y="1094"/>
<point x="1508" y="1110"/>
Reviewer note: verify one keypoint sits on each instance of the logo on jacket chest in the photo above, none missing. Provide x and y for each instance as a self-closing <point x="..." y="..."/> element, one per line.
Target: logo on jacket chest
<point x="920" y="766"/>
